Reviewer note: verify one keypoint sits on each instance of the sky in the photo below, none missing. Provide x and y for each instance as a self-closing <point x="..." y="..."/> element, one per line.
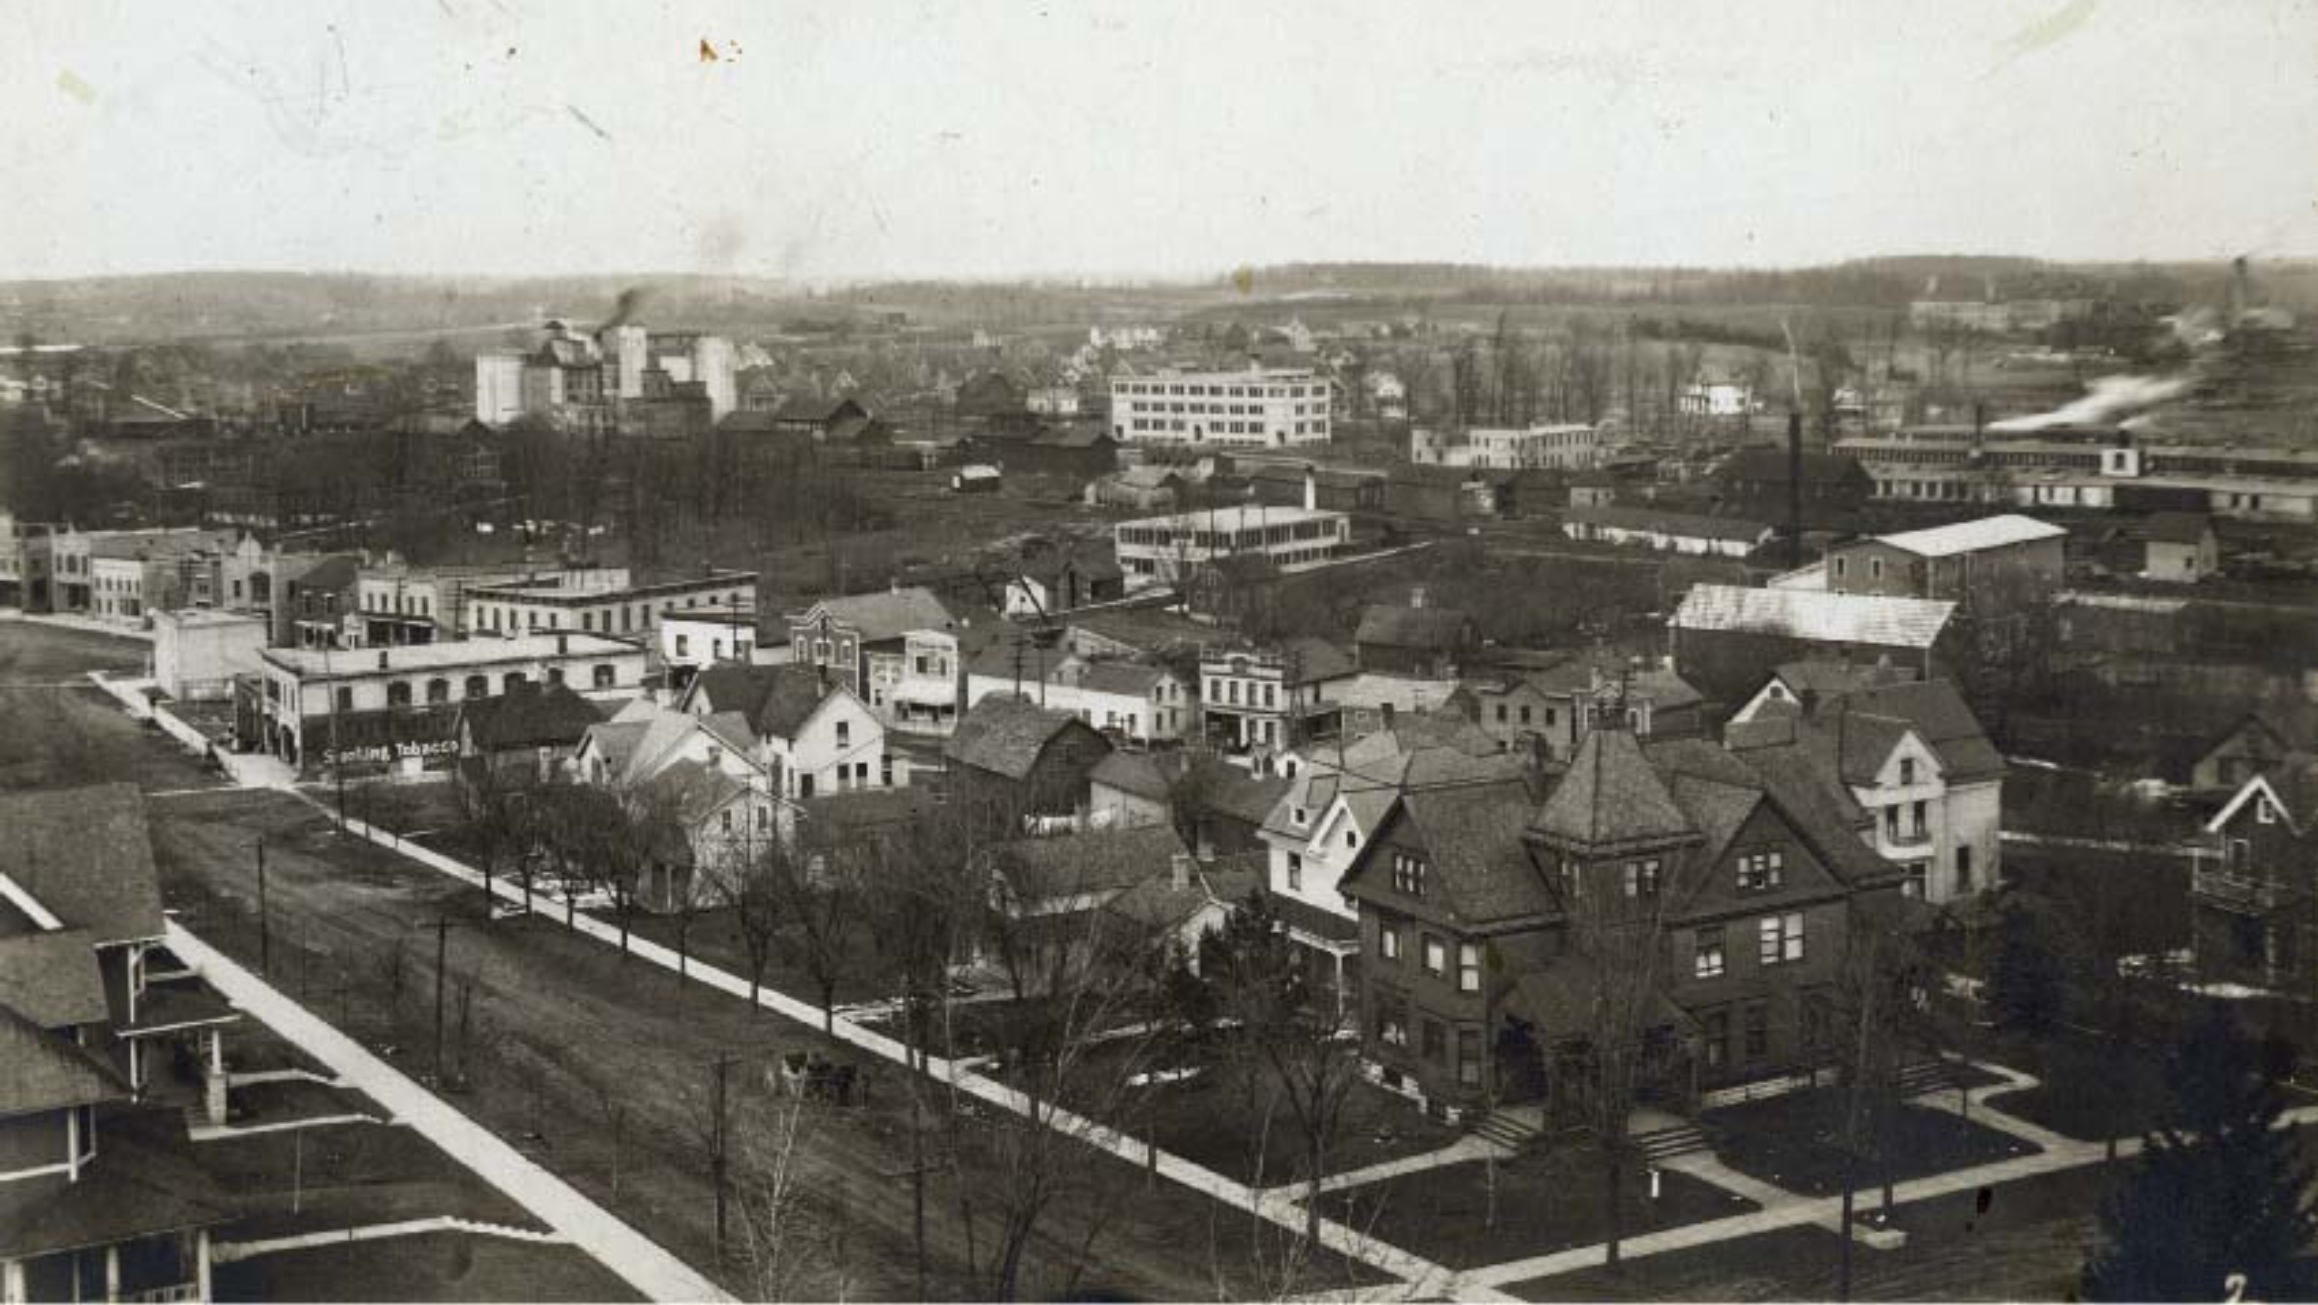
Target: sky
<point x="988" y="138"/>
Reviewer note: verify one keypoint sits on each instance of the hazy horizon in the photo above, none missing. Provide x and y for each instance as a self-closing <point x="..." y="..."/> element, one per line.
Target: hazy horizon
<point x="841" y="145"/>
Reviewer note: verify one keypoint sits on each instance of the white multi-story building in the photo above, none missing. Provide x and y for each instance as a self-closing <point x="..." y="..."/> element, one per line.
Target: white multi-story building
<point x="1928" y="784"/>
<point x="1257" y="408"/>
<point x="498" y="387"/>
<point x="1564" y="448"/>
<point x="1164" y="549"/>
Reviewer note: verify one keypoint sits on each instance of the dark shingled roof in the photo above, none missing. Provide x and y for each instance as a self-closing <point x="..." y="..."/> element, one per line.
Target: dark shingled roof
<point x="143" y="1181"/>
<point x="776" y="700"/>
<point x="1318" y="659"/>
<point x="84" y="855"/>
<point x="530" y="716"/>
<point x="1472" y="835"/>
<point x="1439" y="628"/>
<point x="1005" y="735"/>
<point x="887" y="614"/>
<point x="52" y="978"/>
<point x="1133" y="773"/>
<point x="1937" y="712"/>
<point x="41" y="1071"/>
<point x="1611" y="798"/>
<point x="2176" y="527"/>
<point x="1098" y="861"/>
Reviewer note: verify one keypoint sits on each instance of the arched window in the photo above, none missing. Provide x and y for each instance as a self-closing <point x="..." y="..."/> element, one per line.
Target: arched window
<point x="555" y="675"/>
<point x="438" y="691"/>
<point x="398" y="694"/>
<point x="478" y="686"/>
<point x="605" y="676"/>
<point x="511" y="681"/>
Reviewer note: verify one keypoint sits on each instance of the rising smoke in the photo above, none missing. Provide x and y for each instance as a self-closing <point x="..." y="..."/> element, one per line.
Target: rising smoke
<point x="2106" y="399"/>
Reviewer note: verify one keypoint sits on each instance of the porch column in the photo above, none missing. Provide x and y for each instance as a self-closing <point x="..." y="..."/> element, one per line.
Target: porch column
<point x="12" y="1282"/>
<point x="201" y="1263"/>
<point x="113" y="1272"/>
<point x="214" y="1084"/>
<point x="1339" y="987"/>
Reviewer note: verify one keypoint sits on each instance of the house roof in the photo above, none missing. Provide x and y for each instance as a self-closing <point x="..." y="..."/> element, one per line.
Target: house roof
<point x="886" y="614"/>
<point x="1133" y="679"/>
<point x="1158" y="904"/>
<point x="1006" y="735"/>
<point x="1133" y="773"/>
<point x="1936" y="711"/>
<point x="85" y="856"/>
<point x="774" y="701"/>
<point x="1439" y="628"/>
<point x="800" y="407"/>
<point x="1317" y="659"/>
<point x="43" y="1071"/>
<point x="529" y="716"/>
<point x="142" y="1181"/>
<point x="51" y="978"/>
<point x="1824" y="677"/>
<point x="1817" y="617"/>
<point x="2177" y="527"/>
<point x="1611" y="797"/>
<point x="1472" y="836"/>
<point x="1097" y="861"/>
<point x="1973" y="536"/>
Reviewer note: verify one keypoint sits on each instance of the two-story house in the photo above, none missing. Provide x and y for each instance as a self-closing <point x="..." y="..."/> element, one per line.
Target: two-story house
<point x="2004" y="559"/>
<point x="1490" y="927"/>
<point x="1010" y="761"/>
<point x="1267" y="699"/>
<point x="1334" y="805"/>
<point x="860" y="640"/>
<point x="812" y="735"/>
<point x="100" y="1056"/>
<point x="1927" y="782"/>
<point x="2251" y="886"/>
<point x="1547" y="712"/>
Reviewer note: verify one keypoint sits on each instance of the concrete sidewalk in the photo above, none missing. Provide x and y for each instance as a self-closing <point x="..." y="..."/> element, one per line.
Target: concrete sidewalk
<point x="643" y="1263"/>
<point x="1278" y="1207"/>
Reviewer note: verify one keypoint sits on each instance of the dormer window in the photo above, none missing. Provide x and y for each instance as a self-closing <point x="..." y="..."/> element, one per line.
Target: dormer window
<point x="1299" y="817"/>
<point x="1761" y="870"/>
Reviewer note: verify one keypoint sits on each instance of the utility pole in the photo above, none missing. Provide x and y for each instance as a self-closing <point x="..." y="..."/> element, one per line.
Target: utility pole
<point x="265" y="919"/>
<point x="717" y="1133"/>
<point x="442" y="947"/>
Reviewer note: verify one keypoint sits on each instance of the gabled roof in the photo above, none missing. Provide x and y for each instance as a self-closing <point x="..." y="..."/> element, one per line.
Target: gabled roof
<point x="1440" y="628"/>
<point x="886" y="614"/>
<point x="1973" y="536"/>
<point x="1006" y="735"/>
<point x="1318" y="659"/>
<point x="1611" y="798"/>
<point x="1817" y="617"/>
<point x="1826" y="677"/>
<point x="43" y="1071"/>
<point x="529" y="716"/>
<point x="1133" y="773"/>
<point x="1095" y="862"/>
<point x="1936" y="711"/>
<point x="774" y="701"/>
<point x="1157" y="903"/>
<point x="51" y="978"/>
<point x="1472" y="836"/>
<point x="85" y="856"/>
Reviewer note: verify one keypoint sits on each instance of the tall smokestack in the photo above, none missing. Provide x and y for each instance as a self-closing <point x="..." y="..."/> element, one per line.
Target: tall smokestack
<point x="2240" y="296"/>
<point x="1794" y="489"/>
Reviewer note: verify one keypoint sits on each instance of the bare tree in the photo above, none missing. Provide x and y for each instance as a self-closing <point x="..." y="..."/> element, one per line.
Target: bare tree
<point x="1617" y="923"/>
<point x="1285" y="1033"/>
<point x="818" y="896"/>
<point x="789" y="1252"/>
<point x="749" y="888"/>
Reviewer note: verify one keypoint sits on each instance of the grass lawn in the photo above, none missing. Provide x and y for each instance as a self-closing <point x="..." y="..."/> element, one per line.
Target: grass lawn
<point x="273" y="1103"/>
<point x="1212" y="1120"/>
<point x="436" y="1266"/>
<point x="341" y="1175"/>
<point x="1793" y="1141"/>
<point x="1548" y="1199"/>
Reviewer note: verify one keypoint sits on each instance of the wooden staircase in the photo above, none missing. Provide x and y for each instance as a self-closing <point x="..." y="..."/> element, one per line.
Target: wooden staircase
<point x="1509" y="1131"/>
<point x="1662" y="1144"/>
